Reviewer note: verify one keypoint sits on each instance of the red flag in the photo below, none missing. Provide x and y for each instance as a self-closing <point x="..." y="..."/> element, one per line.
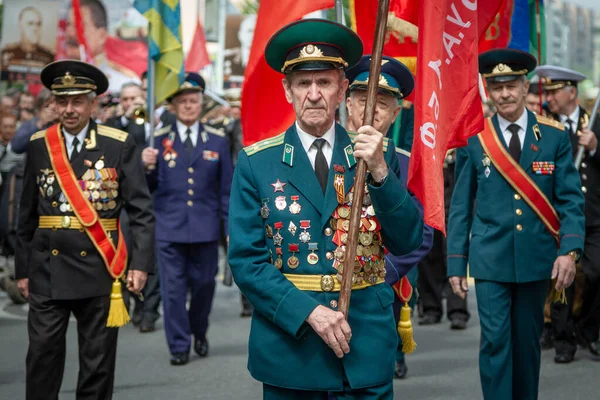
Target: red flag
<point x="447" y="107"/>
<point x="498" y="34"/>
<point x="265" y="111"/>
<point x="197" y="57"/>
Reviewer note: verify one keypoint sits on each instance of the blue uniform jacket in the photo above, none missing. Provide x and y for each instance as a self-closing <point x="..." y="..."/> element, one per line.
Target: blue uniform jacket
<point x="508" y="242"/>
<point x="191" y="195"/>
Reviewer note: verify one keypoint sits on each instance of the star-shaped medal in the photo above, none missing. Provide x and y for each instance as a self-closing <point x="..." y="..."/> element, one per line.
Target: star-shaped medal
<point x="278" y="186"/>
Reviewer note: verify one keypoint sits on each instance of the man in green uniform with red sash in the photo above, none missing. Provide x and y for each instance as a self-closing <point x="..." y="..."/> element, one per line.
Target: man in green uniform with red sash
<point x="517" y="219"/>
<point x="71" y="255"/>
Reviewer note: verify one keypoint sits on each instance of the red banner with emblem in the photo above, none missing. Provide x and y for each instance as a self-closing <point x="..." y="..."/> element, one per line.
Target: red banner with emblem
<point x="447" y="103"/>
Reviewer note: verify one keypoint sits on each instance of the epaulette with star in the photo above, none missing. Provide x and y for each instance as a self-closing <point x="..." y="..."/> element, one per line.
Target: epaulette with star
<point x="112" y="133"/>
<point x="218" y="132"/>
<point x="162" y="131"/>
<point x="265" y="144"/>
<point x="549" y="122"/>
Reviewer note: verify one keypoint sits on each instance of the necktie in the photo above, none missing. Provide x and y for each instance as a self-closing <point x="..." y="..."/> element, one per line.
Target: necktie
<point x="74" y="152"/>
<point x="321" y="167"/>
<point x="514" y="147"/>
<point x="570" y="125"/>
<point x="189" y="146"/>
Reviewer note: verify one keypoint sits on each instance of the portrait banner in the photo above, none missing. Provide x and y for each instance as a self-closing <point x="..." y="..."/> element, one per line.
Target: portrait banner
<point x="28" y="38"/>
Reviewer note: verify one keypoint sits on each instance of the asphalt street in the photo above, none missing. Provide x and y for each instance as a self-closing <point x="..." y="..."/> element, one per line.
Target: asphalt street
<point x="443" y="367"/>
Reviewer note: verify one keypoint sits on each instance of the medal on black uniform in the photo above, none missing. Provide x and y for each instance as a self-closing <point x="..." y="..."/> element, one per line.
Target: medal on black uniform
<point x="304" y="236"/>
<point x="295" y="208"/>
<point x="293" y="261"/>
<point x="277" y="238"/>
<point x="313" y="257"/>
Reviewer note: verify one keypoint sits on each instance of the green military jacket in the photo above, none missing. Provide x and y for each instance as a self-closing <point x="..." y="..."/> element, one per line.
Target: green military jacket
<point x="508" y="241"/>
<point x="283" y="349"/>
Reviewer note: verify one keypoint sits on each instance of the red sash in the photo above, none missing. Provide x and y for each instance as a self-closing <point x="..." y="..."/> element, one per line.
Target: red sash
<point x="518" y="178"/>
<point x="114" y="259"/>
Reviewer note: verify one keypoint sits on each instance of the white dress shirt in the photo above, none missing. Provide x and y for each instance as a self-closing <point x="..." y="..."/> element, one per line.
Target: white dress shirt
<point x="80" y="136"/>
<point x="181" y="128"/>
<point x="573" y="117"/>
<point x="521" y="122"/>
<point x="307" y="141"/>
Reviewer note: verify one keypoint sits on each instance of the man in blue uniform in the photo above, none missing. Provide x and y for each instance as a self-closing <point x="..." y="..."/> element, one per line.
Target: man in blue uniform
<point x="396" y="82"/>
<point x="290" y="205"/>
<point x="518" y="177"/>
<point x="190" y="174"/>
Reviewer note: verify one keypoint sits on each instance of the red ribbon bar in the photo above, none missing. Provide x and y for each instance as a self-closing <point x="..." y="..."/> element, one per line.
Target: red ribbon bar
<point x="293" y="247"/>
<point x="518" y="178"/>
<point x="295" y="198"/>
<point x="305" y="224"/>
<point x="278" y="225"/>
<point x="279" y="251"/>
<point x="114" y="259"/>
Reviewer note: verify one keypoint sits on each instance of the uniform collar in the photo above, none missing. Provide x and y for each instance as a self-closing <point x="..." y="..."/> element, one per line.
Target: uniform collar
<point x="80" y="136"/>
<point x="574" y="116"/>
<point x="521" y="122"/>
<point x="307" y="139"/>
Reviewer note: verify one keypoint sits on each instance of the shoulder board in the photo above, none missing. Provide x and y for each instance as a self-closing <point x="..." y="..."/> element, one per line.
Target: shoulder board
<point x="112" y="133"/>
<point x="550" y="122"/>
<point x="265" y="144"/>
<point x="37" y="135"/>
<point x="214" y="131"/>
<point x="402" y="151"/>
<point x="386" y="141"/>
<point x="162" y="131"/>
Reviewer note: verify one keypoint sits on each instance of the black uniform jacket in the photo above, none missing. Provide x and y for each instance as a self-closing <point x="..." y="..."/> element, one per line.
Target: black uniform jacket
<point x="63" y="263"/>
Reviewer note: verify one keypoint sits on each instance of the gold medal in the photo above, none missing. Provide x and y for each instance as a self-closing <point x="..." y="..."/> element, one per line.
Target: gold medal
<point x="344" y="212"/>
<point x="269" y="231"/>
<point x="112" y="205"/>
<point x="99" y="164"/>
<point x="365" y="238"/>
<point x="98" y="206"/>
<point x="344" y="238"/>
<point x="293" y="261"/>
<point x="279" y="260"/>
<point x="95" y="195"/>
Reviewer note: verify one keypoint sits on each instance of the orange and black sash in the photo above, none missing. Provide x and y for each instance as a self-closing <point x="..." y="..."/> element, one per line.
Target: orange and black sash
<point x="115" y="259"/>
<point x="518" y="178"/>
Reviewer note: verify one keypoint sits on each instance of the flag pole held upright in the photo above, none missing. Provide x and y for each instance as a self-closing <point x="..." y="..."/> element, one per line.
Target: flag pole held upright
<point x="361" y="169"/>
<point x="150" y="78"/>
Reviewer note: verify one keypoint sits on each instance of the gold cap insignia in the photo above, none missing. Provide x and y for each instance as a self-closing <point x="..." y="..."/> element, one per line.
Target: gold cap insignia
<point x="501" y="69"/>
<point x="68" y="80"/>
<point x="310" y="50"/>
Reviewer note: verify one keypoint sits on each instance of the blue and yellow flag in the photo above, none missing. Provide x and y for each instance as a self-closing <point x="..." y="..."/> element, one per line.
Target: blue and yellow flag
<point x="164" y="17"/>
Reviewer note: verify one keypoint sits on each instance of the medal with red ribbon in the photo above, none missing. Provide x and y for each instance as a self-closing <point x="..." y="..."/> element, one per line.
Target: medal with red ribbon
<point x="279" y="260"/>
<point x="169" y="154"/>
<point x="295" y="207"/>
<point x="293" y="261"/>
<point x="304" y="236"/>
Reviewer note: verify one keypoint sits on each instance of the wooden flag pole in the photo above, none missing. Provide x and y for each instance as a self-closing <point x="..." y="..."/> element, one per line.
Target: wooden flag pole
<point x="361" y="168"/>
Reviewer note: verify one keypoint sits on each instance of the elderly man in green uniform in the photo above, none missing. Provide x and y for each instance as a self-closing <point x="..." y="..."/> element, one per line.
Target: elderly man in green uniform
<point x="528" y="226"/>
<point x="289" y="210"/>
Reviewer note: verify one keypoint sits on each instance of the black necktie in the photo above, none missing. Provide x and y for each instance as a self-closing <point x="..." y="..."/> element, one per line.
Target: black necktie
<point x="570" y="124"/>
<point x="75" y="152"/>
<point x="189" y="146"/>
<point x="321" y="167"/>
<point x="514" y="147"/>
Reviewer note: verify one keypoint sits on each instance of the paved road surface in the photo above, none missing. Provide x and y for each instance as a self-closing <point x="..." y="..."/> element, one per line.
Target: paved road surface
<point x="443" y="368"/>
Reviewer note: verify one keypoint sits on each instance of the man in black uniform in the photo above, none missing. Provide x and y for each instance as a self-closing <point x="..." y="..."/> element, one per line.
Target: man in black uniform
<point x="70" y="251"/>
<point x="579" y="319"/>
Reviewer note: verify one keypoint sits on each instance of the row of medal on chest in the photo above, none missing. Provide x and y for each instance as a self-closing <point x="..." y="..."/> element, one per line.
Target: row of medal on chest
<point x="100" y="187"/>
<point x="369" y="263"/>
